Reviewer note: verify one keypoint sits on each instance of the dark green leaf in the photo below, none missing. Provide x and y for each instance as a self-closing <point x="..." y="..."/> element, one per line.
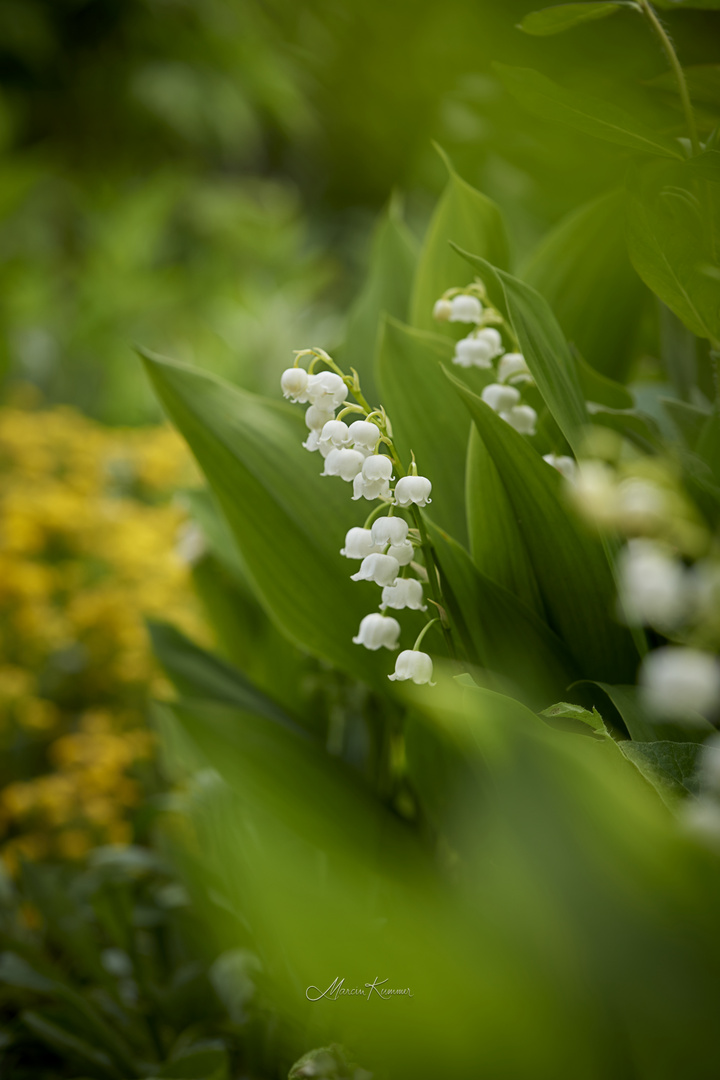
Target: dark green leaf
<point x="544" y="98"/>
<point x="582" y="269"/>
<point x="67" y="1044"/>
<point x="543" y="345"/>
<point x="671" y="767"/>
<point x="640" y="726"/>
<point x="467" y="218"/>
<point x="206" y="1063"/>
<point x="554" y="20"/>
<point x="572" y="571"/>
<point x="688" y="419"/>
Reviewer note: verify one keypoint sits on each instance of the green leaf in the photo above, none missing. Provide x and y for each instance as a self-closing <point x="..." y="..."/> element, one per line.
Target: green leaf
<point x="634" y="425"/>
<point x="668" y="243"/>
<point x="216" y="531"/>
<point x="640" y="725"/>
<point x="198" y="674"/>
<point x="566" y="710"/>
<point x="496" y="542"/>
<point x="544" y="98"/>
<point x="671" y="767"/>
<point x="705" y="166"/>
<point x="426" y="416"/>
<point x="688" y="419"/>
<point x="498" y="631"/>
<point x="202" y="1063"/>
<point x="472" y="221"/>
<point x="554" y="20"/>
<point x="600" y="389"/>
<point x="67" y="1044"/>
<point x="385" y="292"/>
<point x="288" y="521"/>
<point x="543" y="345"/>
<point x="582" y="269"/>
<point x="572" y="571"/>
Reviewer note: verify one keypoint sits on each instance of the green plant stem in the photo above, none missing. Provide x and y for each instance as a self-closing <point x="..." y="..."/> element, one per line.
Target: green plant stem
<point x="649" y="13"/>
<point x="433" y="578"/>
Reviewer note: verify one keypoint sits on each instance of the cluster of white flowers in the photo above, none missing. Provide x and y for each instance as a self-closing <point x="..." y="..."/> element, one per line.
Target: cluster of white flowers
<point x="480" y="349"/>
<point x="385" y="545"/>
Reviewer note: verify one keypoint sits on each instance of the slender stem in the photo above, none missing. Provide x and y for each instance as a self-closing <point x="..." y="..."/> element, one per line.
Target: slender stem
<point x="423" y="632"/>
<point x="433" y="577"/>
<point x="649" y="12"/>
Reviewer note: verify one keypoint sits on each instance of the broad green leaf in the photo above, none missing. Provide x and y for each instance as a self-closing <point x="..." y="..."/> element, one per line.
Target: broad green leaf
<point x="544" y="98"/>
<point x="572" y="571"/>
<point x="467" y="218"/>
<point x="426" y="416"/>
<point x="678" y="352"/>
<point x="667" y="234"/>
<point x="496" y="543"/>
<point x="288" y="521"/>
<point x="600" y="389"/>
<point x="688" y="419"/>
<point x="582" y="269"/>
<point x="386" y="292"/>
<point x="554" y="20"/>
<point x="671" y="767"/>
<point x="638" y="427"/>
<point x="498" y="631"/>
<point x="700" y="5"/>
<point x="640" y="725"/>
<point x="216" y="532"/>
<point x="543" y="345"/>
<point x="198" y="674"/>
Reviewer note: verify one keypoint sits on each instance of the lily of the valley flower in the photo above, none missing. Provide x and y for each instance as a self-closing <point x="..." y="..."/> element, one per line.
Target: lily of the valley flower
<point x="326" y="390"/>
<point x="500" y="398"/>
<point x="294" y="384"/>
<point x="389" y="530"/>
<point x="521" y="417"/>
<point x="675" y="681"/>
<point x="513" y="369"/>
<point x="374" y="480"/>
<point x="359" y="543"/>
<point x="563" y="464"/>
<point x="415" y="665"/>
<point x="465" y="309"/>
<point x="653" y="586"/>
<point x="382" y="569"/>
<point x="316" y="419"/>
<point x="404" y="593"/>
<point x="377" y="632"/>
<point x="363" y="435"/>
<point x="344" y="463"/>
<point x="402" y="552"/>
<point x="442" y="310"/>
<point x="413" y="489"/>
<point x="479" y="349"/>
<point x="335" y="435"/>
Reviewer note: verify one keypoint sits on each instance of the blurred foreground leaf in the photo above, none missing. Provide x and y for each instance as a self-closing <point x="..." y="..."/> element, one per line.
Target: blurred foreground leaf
<point x="554" y="20"/>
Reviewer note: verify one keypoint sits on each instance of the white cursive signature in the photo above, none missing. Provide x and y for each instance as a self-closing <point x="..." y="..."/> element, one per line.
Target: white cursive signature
<point x="337" y="989"/>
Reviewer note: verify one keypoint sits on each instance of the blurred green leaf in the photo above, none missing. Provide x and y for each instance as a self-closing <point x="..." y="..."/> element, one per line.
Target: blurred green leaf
<point x="467" y="218"/>
<point x="386" y="291"/>
<point x="572" y="570"/>
<point x="554" y="20"/>
<point x="688" y="419"/>
<point x="638" y="427"/>
<point x="67" y="1044"/>
<point x="543" y="345"/>
<point x="426" y="415"/>
<point x="203" y="1063"/>
<point x="544" y="98"/>
<point x="705" y="166"/>
<point x="598" y="388"/>
<point x="642" y="727"/>
<point x="671" y="767"/>
<point x="581" y="267"/>
<point x="668" y="240"/>
<point x="288" y="521"/>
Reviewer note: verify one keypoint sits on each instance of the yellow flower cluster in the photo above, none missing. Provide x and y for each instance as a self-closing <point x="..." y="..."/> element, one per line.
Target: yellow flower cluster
<point x="88" y="549"/>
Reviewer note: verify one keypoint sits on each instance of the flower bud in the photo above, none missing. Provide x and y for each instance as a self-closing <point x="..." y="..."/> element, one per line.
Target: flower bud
<point x="364" y="435"/>
<point x="334" y="435"/>
<point x="405" y="593"/>
<point x="564" y="465"/>
<point x="294" y="382"/>
<point x="359" y="543"/>
<point x="513" y="369"/>
<point x="377" y="632"/>
<point x="389" y="530"/>
<point x="382" y="569"/>
<point x="415" y="665"/>
<point x="326" y="390"/>
<point x="402" y="552"/>
<point x="413" y="489"/>
<point x="442" y="310"/>
<point x="521" y="417"/>
<point x="465" y="309"/>
<point x="675" y="681"/>
<point x="500" y="398"/>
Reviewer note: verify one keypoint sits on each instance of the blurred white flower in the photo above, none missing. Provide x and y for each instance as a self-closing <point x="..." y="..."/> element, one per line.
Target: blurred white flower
<point x="652" y="585"/>
<point x="442" y="310"/>
<point x="594" y="491"/>
<point x="190" y="544"/>
<point x="479" y="349"/>
<point x="465" y="309"/>
<point x="564" y="465"/>
<point x="513" y="369"/>
<point x="405" y="593"/>
<point x="415" y="665"/>
<point x="413" y="489"/>
<point x="294" y="382"/>
<point x="675" y="681"/>
<point x="359" y="543"/>
<point x="521" y="417"/>
<point x="500" y="398"/>
<point x="641" y="505"/>
<point x="377" y="632"/>
<point x="382" y="569"/>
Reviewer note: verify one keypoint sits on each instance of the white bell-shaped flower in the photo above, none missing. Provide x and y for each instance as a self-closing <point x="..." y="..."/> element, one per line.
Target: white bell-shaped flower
<point x="413" y="489"/>
<point x="364" y="435"/>
<point x="377" y="467"/>
<point x="293" y="383"/>
<point x="402" y="552"/>
<point x="316" y="418"/>
<point x="500" y="398"/>
<point x="642" y="505"/>
<point x="378" y="632"/>
<point x="334" y="435"/>
<point x="563" y="464"/>
<point x="389" y="530"/>
<point x="465" y="309"/>
<point x="595" y="492"/>
<point x="653" y="587"/>
<point x="344" y="463"/>
<point x="513" y="369"/>
<point x="479" y="349"/>
<point x="415" y="665"/>
<point x="404" y="593"/>
<point x="442" y="309"/>
<point x="382" y="569"/>
<point x="675" y="681"/>
<point x="359" y="543"/>
<point x="370" y="489"/>
<point x="326" y="390"/>
<point x="521" y="417"/>
<point x="312" y="442"/>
